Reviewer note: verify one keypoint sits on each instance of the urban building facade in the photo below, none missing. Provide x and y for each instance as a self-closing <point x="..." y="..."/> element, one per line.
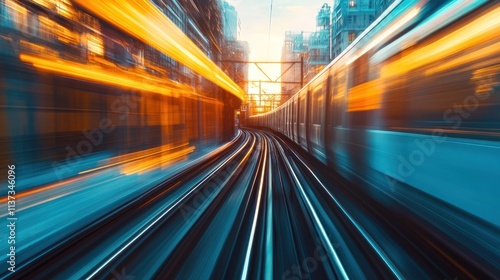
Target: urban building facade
<point x="295" y="48"/>
<point x="234" y="57"/>
<point x="350" y="18"/>
<point x="204" y="29"/>
<point x="319" y="43"/>
<point x="235" y="53"/>
<point x="336" y="28"/>
<point x="231" y="23"/>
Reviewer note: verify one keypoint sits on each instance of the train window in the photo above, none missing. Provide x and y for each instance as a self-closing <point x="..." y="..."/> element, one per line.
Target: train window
<point x="302" y="110"/>
<point x="138" y="55"/>
<point x="46" y="27"/>
<point x="317" y="100"/>
<point x="16" y="16"/>
<point x="33" y="24"/>
<point x="330" y="102"/>
<point x="339" y="97"/>
<point x="66" y="36"/>
<point x="351" y="37"/>
<point x="359" y="70"/>
<point x="457" y="101"/>
<point x="64" y="8"/>
<point x="89" y="21"/>
<point x="95" y="44"/>
<point x="396" y="102"/>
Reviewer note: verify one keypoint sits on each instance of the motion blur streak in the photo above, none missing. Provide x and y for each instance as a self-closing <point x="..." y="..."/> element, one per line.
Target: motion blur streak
<point x="262" y="184"/>
<point x="410" y="117"/>
<point x="384" y="166"/>
<point x="210" y="219"/>
<point x="143" y="20"/>
<point x="93" y="118"/>
<point x="317" y="224"/>
<point x="475" y="33"/>
<point x="472" y="56"/>
<point x="365" y="234"/>
<point x="400" y="23"/>
<point x="105" y="76"/>
<point x="150" y="163"/>
<point x="45" y="188"/>
<point x="130" y="157"/>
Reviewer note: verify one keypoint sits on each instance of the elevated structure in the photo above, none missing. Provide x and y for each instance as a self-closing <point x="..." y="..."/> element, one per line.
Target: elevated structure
<point x="295" y="48"/>
<point x="234" y="54"/>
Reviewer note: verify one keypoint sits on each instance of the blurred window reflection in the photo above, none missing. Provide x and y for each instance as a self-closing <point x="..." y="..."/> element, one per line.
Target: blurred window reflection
<point x="49" y="4"/>
<point x="46" y="27"/>
<point x="64" y="8"/>
<point x="317" y="103"/>
<point x="95" y="44"/>
<point x="15" y="16"/>
<point x="351" y="37"/>
<point x="66" y="36"/>
<point x="33" y="24"/>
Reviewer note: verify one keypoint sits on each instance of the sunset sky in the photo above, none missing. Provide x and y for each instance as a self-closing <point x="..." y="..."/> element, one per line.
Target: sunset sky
<point x="287" y="15"/>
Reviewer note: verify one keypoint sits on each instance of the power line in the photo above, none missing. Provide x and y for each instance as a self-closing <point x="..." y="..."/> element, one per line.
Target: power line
<point x="269" y="32"/>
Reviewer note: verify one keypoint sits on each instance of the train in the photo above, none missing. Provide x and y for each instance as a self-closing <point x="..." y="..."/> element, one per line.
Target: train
<point x="413" y="104"/>
<point x="82" y="88"/>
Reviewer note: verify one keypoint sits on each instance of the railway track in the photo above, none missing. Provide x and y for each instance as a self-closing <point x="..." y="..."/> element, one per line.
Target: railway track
<point x="253" y="209"/>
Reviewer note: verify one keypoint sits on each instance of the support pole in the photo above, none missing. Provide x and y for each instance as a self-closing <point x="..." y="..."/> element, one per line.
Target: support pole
<point x="301" y="71"/>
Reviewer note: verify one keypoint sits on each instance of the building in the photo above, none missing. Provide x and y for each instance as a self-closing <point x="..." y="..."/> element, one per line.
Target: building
<point x="311" y="47"/>
<point x="336" y="28"/>
<point x="231" y="22"/>
<point x="350" y="18"/>
<point x="319" y="43"/>
<point x="295" y="48"/>
<point x="203" y="28"/>
<point x="235" y="53"/>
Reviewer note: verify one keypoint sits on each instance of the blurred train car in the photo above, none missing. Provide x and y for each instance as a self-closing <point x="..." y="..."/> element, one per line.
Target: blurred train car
<point x="75" y="86"/>
<point x="413" y="102"/>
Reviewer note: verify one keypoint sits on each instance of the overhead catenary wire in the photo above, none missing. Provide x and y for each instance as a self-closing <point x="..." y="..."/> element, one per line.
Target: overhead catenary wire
<point x="269" y="31"/>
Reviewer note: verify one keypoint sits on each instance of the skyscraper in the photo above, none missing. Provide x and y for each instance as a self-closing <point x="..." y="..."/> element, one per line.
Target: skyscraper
<point x="231" y="22"/>
<point x="319" y="43"/>
<point x="295" y="48"/>
<point x="350" y="18"/>
<point x="235" y="53"/>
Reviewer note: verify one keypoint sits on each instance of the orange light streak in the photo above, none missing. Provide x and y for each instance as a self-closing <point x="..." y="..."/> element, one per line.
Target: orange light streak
<point x="476" y="32"/>
<point x="364" y="97"/>
<point x="131" y="168"/>
<point x="44" y="188"/>
<point x="110" y="76"/>
<point x="143" y="20"/>
<point x="464" y="59"/>
<point x="151" y="163"/>
<point x="392" y="29"/>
